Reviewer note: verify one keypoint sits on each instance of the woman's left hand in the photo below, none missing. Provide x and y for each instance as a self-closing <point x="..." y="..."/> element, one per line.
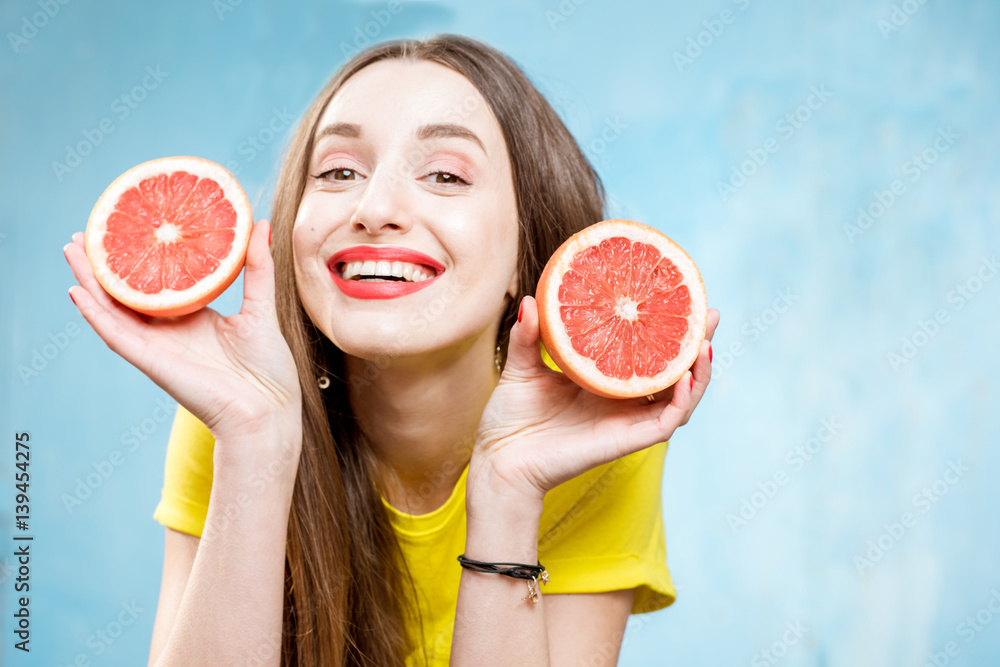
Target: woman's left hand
<point x="540" y="429"/>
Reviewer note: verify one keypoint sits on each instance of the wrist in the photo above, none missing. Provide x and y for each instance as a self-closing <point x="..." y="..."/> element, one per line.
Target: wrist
<point x="492" y="492"/>
<point x="267" y="450"/>
<point x="502" y="538"/>
<point x="282" y="425"/>
<point x="502" y="521"/>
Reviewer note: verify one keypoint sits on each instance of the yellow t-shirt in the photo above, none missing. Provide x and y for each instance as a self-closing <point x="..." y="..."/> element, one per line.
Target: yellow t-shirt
<point x="600" y="531"/>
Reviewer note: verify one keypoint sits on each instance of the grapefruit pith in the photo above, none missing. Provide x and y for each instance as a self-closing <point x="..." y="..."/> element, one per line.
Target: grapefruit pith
<point x="622" y="309"/>
<point x="169" y="235"/>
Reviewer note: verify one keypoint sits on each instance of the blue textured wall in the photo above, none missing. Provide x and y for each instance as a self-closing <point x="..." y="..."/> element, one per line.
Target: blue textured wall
<point x="856" y="360"/>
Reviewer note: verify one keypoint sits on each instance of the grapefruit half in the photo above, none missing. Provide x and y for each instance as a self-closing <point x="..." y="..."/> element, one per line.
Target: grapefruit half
<point x="622" y="309"/>
<point x="169" y="235"/>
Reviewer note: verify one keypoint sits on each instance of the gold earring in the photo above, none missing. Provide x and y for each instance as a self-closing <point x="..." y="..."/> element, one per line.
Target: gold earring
<point x="323" y="382"/>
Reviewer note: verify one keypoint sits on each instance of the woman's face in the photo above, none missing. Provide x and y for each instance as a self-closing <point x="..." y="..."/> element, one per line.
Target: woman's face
<point x="409" y="175"/>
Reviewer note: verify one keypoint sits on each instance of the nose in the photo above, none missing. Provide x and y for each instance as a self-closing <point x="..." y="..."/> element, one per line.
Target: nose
<point x="382" y="206"/>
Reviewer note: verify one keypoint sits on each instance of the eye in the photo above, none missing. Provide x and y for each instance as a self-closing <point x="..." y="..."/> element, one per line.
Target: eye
<point x="342" y="174"/>
<point x="447" y="178"/>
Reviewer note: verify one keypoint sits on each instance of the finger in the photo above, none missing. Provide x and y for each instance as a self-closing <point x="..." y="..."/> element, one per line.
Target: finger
<point x="112" y="325"/>
<point x="109" y="302"/>
<point x="662" y="395"/>
<point x="702" y="374"/>
<point x="523" y="353"/>
<point x="111" y="332"/>
<point x="77" y="257"/>
<point x="676" y="411"/>
<point x="667" y="394"/>
<point x="258" y="274"/>
<point x="657" y="422"/>
<point x="713" y="322"/>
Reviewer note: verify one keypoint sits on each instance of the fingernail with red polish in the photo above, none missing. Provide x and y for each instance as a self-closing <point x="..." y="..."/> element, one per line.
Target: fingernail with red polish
<point x="269" y="235"/>
<point x="520" y="311"/>
<point x="692" y="382"/>
<point x="71" y="298"/>
<point x="709" y="353"/>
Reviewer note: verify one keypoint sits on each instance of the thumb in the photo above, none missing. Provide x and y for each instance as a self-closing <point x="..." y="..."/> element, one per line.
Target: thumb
<point x="523" y="353"/>
<point x="258" y="273"/>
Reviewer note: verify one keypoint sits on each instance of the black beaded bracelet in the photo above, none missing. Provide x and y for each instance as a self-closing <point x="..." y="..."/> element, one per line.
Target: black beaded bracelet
<point x="531" y="573"/>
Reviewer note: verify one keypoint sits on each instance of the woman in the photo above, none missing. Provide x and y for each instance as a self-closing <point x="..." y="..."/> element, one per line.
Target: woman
<point x="345" y="440"/>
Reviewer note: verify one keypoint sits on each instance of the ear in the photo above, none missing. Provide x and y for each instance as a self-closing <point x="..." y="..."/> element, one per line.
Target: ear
<point x="512" y="287"/>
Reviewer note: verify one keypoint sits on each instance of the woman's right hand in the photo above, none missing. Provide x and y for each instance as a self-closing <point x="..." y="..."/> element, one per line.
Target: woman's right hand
<point x="236" y="374"/>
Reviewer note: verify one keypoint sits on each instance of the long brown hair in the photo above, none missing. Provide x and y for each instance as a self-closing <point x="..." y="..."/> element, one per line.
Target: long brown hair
<point x="348" y="594"/>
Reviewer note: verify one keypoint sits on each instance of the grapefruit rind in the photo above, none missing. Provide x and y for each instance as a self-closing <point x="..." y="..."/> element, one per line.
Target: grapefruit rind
<point x="583" y="370"/>
<point x="168" y="302"/>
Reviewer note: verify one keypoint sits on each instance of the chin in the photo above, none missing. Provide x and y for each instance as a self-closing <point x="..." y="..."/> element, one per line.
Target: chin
<point x="376" y="340"/>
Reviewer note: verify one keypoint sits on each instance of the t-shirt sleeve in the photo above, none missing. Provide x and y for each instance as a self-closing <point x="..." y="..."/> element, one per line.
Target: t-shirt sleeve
<point x="187" y="475"/>
<point x="603" y="531"/>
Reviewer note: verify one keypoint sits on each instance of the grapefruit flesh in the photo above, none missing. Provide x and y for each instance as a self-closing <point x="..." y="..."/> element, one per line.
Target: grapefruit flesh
<point x="169" y="235"/>
<point x="622" y="309"/>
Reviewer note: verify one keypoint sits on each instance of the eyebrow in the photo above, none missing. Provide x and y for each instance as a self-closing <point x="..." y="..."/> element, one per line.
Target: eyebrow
<point x="430" y="131"/>
<point x="438" y="130"/>
<point x="341" y="130"/>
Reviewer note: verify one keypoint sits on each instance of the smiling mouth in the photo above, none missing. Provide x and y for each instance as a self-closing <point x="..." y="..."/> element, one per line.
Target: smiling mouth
<point x="383" y="271"/>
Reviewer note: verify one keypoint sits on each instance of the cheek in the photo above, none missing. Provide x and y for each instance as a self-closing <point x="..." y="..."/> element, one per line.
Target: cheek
<point x="504" y="229"/>
<point x="300" y="254"/>
<point x="311" y="273"/>
<point x="300" y="243"/>
<point x="488" y="252"/>
<point x="504" y="238"/>
<point x="306" y="239"/>
<point x="485" y="229"/>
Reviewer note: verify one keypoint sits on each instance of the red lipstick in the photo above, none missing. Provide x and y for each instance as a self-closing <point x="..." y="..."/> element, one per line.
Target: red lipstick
<point x="388" y="289"/>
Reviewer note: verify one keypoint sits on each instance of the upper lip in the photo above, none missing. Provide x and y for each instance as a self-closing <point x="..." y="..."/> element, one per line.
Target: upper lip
<point x="386" y="253"/>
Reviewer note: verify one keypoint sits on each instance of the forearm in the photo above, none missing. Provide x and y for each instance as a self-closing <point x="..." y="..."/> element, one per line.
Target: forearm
<point x="494" y="623"/>
<point x="236" y="587"/>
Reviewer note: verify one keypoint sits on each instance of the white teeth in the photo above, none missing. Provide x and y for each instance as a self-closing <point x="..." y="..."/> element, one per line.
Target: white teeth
<point x="405" y="270"/>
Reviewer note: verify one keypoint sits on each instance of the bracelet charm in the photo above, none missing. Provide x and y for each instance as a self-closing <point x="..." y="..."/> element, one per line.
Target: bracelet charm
<point x="532" y="595"/>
